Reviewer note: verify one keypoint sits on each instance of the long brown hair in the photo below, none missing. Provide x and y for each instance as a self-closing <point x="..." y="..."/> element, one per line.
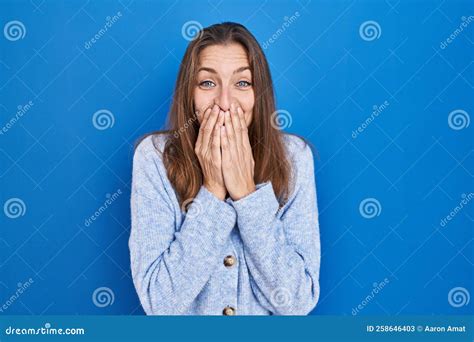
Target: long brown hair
<point x="181" y="163"/>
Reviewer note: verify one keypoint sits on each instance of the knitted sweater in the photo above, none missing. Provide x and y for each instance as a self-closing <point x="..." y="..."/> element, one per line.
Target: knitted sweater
<point x="245" y="257"/>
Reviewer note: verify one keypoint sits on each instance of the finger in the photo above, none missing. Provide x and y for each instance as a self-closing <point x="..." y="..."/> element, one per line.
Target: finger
<point x="209" y="126"/>
<point x="224" y="146"/>
<point x="244" y="129"/>
<point x="229" y="130"/>
<point x="240" y="115"/>
<point x="220" y="120"/>
<point x="236" y="124"/>
<point x="205" y="117"/>
<point x="204" y="108"/>
<point x="216" y="138"/>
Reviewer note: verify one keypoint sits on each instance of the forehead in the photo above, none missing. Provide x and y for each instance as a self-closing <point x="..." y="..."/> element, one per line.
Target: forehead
<point x="221" y="57"/>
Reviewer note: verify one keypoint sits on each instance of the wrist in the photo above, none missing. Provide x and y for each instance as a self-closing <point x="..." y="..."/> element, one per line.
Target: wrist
<point x="250" y="189"/>
<point x="219" y="193"/>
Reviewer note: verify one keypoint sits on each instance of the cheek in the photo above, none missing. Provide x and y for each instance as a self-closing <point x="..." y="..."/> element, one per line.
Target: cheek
<point x="246" y="101"/>
<point x="248" y="115"/>
<point x="202" y="101"/>
<point x="247" y="105"/>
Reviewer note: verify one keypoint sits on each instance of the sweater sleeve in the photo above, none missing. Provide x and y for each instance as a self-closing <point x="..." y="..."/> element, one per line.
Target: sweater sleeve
<point x="283" y="254"/>
<point x="170" y="265"/>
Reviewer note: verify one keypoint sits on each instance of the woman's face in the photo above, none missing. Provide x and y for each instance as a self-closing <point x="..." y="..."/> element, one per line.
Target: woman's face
<point x="223" y="78"/>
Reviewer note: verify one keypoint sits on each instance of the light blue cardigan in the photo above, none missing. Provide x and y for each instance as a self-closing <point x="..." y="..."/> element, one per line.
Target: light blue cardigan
<point x="177" y="259"/>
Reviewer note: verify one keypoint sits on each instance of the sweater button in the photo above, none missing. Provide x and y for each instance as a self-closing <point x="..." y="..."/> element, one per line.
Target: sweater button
<point x="228" y="311"/>
<point x="229" y="261"/>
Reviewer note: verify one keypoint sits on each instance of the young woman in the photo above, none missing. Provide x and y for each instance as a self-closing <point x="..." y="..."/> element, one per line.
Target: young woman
<point x="224" y="206"/>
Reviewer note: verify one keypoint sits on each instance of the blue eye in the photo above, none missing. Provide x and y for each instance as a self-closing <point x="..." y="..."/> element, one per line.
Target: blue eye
<point x="243" y="84"/>
<point x="207" y="84"/>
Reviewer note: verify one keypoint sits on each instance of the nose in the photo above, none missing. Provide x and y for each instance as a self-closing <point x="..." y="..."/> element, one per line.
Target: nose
<point x="223" y="99"/>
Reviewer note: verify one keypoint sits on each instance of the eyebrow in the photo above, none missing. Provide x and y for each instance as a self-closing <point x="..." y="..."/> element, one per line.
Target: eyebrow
<point x="212" y="71"/>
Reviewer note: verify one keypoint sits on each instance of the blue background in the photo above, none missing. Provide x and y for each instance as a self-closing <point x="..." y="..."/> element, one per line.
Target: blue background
<point x="326" y="76"/>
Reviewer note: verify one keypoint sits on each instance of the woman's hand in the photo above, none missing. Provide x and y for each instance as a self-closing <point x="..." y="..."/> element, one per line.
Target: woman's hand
<point x="237" y="159"/>
<point x="208" y="151"/>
